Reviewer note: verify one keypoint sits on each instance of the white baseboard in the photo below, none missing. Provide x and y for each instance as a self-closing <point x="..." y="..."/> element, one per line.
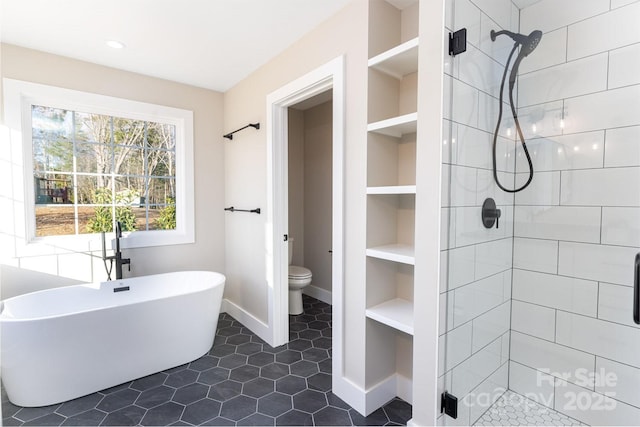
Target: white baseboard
<point x="353" y="395"/>
<point x="381" y="393"/>
<point x="254" y="324"/>
<point x="367" y="401"/>
<point x="318" y="293"/>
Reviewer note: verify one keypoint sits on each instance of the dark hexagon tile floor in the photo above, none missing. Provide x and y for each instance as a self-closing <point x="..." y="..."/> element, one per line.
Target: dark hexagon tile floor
<point x="241" y="381"/>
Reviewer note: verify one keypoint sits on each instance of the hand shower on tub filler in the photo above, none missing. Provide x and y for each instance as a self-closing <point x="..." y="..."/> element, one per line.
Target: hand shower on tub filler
<point x="117" y="256"/>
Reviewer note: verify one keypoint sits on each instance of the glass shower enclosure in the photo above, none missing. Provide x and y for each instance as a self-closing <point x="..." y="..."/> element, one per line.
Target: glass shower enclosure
<point x="537" y="308"/>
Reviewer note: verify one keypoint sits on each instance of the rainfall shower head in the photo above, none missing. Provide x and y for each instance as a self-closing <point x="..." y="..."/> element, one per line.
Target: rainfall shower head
<point x="527" y="43"/>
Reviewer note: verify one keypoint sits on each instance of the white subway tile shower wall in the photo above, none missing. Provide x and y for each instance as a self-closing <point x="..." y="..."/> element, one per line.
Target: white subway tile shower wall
<point x="577" y="228"/>
<point x="476" y="261"/>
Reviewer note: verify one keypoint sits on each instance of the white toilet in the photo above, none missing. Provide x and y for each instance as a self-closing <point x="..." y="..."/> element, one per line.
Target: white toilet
<point x="299" y="278"/>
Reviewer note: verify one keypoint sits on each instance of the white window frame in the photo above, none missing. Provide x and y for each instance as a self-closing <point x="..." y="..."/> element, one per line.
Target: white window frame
<point x="19" y="96"/>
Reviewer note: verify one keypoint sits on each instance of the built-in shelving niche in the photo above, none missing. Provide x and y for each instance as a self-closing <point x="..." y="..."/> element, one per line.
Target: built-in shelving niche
<point x="390" y="326"/>
<point x="392" y="153"/>
<point x="391" y="190"/>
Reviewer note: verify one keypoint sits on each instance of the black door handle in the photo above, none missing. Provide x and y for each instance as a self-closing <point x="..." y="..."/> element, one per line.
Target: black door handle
<point x="636" y="290"/>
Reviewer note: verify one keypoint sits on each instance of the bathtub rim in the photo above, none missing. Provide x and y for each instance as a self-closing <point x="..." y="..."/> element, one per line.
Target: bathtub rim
<point x="3" y="319"/>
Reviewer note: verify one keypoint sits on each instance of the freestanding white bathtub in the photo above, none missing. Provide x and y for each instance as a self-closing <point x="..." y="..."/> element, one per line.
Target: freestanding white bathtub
<point x="63" y="343"/>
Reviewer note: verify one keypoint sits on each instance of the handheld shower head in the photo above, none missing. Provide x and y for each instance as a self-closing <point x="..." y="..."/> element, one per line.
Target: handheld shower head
<point x="527" y="43"/>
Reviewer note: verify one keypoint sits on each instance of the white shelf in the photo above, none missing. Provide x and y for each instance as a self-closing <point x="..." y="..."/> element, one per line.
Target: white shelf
<point x="392" y="189"/>
<point x="399" y="61"/>
<point x="397" y="313"/>
<point x="397" y="252"/>
<point x="396" y="126"/>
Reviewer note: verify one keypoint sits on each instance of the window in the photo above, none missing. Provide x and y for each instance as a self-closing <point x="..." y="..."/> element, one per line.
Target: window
<point x="91" y="160"/>
<point x="90" y="170"/>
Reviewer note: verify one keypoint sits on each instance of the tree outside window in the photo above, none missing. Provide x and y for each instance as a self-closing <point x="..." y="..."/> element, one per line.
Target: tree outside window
<point x="92" y="169"/>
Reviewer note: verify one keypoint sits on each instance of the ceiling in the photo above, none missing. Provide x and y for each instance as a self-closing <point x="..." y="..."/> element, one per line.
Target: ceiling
<point x="207" y="43"/>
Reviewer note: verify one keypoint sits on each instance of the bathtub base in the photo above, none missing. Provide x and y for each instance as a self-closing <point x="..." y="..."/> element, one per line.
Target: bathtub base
<point x="66" y="357"/>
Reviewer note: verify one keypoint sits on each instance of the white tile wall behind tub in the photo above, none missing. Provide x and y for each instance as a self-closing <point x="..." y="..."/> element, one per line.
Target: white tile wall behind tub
<point x="44" y="264"/>
<point x="622" y="147"/>
<point x="624" y="66"/>
<point x="604" y="32"/>
<point x="76" y="266"/>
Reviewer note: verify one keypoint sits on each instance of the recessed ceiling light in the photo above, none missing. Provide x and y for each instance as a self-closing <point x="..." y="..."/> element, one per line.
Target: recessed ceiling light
<point x="115" y="44"/>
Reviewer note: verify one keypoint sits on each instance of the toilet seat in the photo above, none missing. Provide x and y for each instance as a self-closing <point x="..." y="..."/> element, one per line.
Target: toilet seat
<point x="297" y="272"/>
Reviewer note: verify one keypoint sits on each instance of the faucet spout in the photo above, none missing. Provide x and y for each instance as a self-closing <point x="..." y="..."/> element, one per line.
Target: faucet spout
<point x="118" y="255"/>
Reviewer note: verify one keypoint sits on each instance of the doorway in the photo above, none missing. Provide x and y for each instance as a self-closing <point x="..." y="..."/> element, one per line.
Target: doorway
<point x="327" y="78"/>
<point x="309" y="196"/>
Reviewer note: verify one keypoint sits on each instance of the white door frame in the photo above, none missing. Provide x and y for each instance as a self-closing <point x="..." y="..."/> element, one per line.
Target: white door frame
<point x="328" y="76"/>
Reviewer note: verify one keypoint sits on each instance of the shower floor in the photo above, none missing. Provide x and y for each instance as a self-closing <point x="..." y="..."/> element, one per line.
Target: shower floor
<point x="513" y="409"/>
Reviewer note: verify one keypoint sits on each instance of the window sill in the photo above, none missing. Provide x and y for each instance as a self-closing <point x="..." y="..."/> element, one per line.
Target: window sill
<point x="54" y="245"/>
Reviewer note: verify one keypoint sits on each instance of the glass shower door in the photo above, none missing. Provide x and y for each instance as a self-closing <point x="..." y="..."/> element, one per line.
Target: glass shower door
<point x="537" y="319"/>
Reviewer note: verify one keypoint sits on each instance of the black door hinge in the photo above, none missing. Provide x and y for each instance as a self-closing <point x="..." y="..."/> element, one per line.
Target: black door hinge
<point x="458" y="42"/>
<point x="449" y="405"/>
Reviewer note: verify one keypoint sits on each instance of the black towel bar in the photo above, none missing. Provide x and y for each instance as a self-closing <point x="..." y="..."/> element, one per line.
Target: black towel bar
<point x="232" y="209"/>
<point x="230" y="134"/>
